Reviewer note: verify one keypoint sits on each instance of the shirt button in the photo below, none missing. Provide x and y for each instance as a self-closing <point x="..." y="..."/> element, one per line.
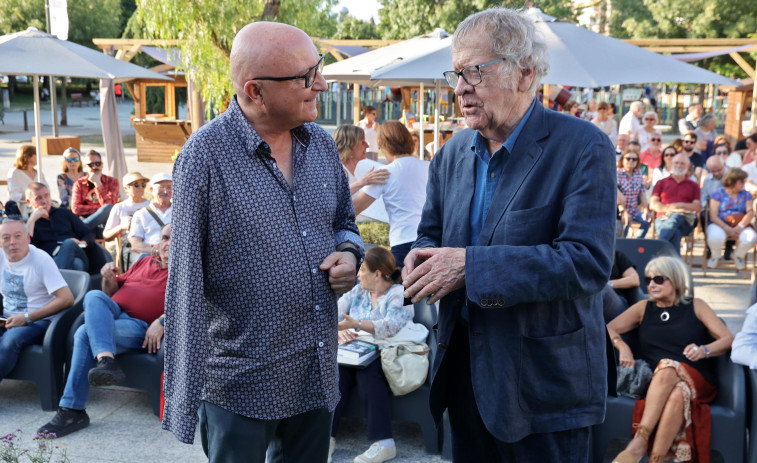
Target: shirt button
<point x="304" y="233"/>
<point x="494" y="174"/>
<point x="315" y="270"/>
<point x="320" y="344"/>
<point x="317" y="307"/>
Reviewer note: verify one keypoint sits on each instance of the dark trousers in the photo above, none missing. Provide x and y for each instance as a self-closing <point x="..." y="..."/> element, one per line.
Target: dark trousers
<point x="375" y="394"/>
<point x="472" y="441"/>
<point x="231" y="438"/>
<point x="400" y="252"/>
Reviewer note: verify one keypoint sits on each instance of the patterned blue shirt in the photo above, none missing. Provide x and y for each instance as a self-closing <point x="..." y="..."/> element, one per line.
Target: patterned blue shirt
<point x="388" y="316"/>
<point x="251" y="321"/>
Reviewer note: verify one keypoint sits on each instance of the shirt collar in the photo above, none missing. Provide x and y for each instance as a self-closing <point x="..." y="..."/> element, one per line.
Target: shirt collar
<point x="478" y="145"/>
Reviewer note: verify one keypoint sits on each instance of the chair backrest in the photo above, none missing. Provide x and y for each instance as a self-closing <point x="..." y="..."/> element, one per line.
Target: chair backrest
<point x="78" y="283"/>
<point x="640" y="251"/>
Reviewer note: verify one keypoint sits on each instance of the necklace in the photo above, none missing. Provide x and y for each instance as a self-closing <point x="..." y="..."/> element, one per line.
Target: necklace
<point x="665" y="316"/>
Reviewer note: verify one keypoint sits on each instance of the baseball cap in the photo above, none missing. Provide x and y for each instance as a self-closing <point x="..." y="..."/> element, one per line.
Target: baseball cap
<point x="161" y="177"/>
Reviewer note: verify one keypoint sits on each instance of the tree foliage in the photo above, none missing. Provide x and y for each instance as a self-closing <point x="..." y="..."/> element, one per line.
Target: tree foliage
<point x="207" y="28"/>
<point x="87" y="18"/>
<point x="639" y="19"/>
<point x="351" y="28"/>
<point x="402" y="19"/>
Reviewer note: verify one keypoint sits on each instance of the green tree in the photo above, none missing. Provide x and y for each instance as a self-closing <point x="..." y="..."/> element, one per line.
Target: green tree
<point x="402" y="19"/>
<point x="351" y="28"/>
<point x="87" y="18"/>
<point x="207" y="28"/>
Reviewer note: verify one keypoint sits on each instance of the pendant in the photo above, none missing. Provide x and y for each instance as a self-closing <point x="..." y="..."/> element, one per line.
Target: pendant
<point x="664" y="316"/>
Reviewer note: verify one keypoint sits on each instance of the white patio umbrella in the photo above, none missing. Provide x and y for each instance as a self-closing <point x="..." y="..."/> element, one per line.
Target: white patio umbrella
<point x="578" y="57"/>
<point x="36" y="53"/>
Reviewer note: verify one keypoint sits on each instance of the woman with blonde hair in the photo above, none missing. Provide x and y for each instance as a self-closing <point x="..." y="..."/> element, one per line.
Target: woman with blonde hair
<point x="351" y="144"/>
<point x="72" y="171"/>
<point x="678" y="335"/>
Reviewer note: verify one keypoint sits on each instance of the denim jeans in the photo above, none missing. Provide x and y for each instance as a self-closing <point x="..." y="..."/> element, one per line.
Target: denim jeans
<point x="672" y="229"/>
<point x="643" y="225"/>
<point x="99" y="217"/>
<point x="106" y="329"/>
<point x="14" y="340"/>
<point x="71" y="256"/>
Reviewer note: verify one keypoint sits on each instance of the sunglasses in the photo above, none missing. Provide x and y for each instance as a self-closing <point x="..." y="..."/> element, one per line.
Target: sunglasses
<point x="721" y="153"/>
<point x="689" y="141"/>
<point x="631" y="159"/>
<point x="72" y="159"/>
<point x="649" y="119"/>
<point x="95" y="164"/>
<point x="655" y="139"/>
<point x="669" y="155"/>
<point x="658" y="280"/>
<point x="138" y="184"/>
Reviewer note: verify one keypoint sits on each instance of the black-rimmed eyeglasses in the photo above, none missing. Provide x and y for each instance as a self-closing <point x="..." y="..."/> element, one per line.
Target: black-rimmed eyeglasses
<point x="308" y="76"/>
<point x="471" y="74"/>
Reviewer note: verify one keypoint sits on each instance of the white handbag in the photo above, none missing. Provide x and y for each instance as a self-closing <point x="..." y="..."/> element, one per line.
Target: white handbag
<point x="405" y="366"/>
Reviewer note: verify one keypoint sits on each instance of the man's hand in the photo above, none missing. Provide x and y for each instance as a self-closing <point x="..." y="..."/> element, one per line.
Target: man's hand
<point x="342" y="270"/>
<point x="38" y="213"/>
<point x="433" y="272"/>
<point x="15" y="321"/>
<point x="110" y="271"/>
<point x="96" y="178"/>
<point x="153" y="336"/>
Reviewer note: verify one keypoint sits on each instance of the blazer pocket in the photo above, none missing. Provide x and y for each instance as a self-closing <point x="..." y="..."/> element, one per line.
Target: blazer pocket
<point x="526" y="227"/>
<point x="554" y="373"/>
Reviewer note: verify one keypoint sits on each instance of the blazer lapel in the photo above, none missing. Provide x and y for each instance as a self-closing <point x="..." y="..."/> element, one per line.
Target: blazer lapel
<point x="465" y="176"/>
<point x="526" y="153"/>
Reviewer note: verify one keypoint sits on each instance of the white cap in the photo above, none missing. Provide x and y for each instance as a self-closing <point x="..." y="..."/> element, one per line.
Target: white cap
<point x="161" y="177"/>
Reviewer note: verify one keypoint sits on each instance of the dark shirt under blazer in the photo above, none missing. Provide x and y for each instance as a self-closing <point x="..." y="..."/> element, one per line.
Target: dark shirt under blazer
<point x="536" y="329"/>
<point x="251" y="321"/>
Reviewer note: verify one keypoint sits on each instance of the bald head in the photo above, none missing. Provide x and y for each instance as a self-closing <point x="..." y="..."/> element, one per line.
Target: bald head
<point x="716" y="166"/>
<point x="266" y="49"/>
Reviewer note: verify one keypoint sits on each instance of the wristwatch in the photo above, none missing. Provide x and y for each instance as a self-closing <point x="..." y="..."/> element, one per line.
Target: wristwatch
<point x="162" y="320"/>
<point x="28" y="320"/>
<point x="358" y="324"/>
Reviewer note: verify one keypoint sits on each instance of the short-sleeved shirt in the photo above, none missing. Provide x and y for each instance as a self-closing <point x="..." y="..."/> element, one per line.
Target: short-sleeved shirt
<point x="696" y="160"/>
<point x="728" y="205"/>
<point x="651" y="161"/>
<point x="669" y="191"/>
<point x="142" y="290"/>
<point x="122" y="211"/>
<point x="28" y="284"/>
<point x="632" y="187"/>
<point x="144" y="225"/>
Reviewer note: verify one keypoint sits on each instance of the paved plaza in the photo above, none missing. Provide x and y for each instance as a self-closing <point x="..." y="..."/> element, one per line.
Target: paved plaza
<point x="123" y="427"/>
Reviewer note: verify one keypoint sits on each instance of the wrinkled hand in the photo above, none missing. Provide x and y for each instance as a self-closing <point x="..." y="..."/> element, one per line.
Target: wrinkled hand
<point x="15" y="321"/>
<point x="153" y="336"/>
<point x="347" y="323"/>
<point x="373" y="176"/>
<point x="346" y="336"/>
<point x="38" y="213"/>
<point x="110" y="270"/>
<point x="625" y="356"/>
<point x="694" y="353"/>
<point x="341" y="267"/>
<point x="433" y="272"/>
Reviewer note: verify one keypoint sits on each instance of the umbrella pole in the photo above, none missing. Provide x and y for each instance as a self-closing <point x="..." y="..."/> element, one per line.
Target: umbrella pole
<point x="437" y="103"/>
<point x="54" y="104"/>
<point x="37" y="127"/>
<point x="421" y="145"/>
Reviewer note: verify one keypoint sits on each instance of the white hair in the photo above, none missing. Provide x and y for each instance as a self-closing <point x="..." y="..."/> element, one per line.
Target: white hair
<point x="651" y="113"/>
<point x="636" y="105"/>
<point x="513" y="36"/>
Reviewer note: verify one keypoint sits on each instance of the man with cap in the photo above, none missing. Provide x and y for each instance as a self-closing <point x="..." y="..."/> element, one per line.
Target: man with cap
<point x="95" y="194"/>
<point x="119" y="221"/>
<point x="144" y="234"/>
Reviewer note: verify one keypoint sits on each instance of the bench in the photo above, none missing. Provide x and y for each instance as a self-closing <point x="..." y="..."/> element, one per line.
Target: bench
<point x="78" y="98"/>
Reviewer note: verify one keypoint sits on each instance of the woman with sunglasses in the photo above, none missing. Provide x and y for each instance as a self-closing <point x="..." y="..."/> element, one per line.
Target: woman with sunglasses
<point x="119" y="219"/>
<point x="648" y="131"/>
<point x="731" y="217"/>
<point x="606" y="123"/>
<point x="72" y="171"/>
<point x="631" y="183"/>
<point x="662" y="171"/>
<point x="678" y="335"/>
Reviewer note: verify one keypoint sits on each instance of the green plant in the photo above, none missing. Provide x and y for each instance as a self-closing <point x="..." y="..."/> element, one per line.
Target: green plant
<point x="11" y="450"/>
<point x="375" y="232"/>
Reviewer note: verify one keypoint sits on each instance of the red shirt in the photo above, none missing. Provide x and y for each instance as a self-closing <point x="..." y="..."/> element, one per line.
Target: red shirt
<point x="86" y="200"/>
<point x="651" y="161"/>
<point x="669" y="191"/>
<point x="142" y="290"/>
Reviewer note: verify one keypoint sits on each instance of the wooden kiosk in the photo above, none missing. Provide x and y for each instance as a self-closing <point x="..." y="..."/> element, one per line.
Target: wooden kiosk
<point x="739" y="100"/>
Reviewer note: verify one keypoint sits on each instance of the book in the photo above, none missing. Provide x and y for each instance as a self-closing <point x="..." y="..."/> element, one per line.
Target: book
<point x="357" y="353"/>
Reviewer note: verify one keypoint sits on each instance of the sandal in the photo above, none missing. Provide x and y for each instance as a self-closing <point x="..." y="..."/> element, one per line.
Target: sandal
<point x="625" y="456"/>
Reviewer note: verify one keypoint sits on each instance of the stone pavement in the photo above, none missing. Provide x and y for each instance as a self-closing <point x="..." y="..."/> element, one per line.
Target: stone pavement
<point x="123" y="428"/>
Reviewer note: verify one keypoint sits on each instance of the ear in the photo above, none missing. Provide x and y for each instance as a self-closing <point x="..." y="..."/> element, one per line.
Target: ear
<point x="526" y="78"/>
<point x="253" y="90"/>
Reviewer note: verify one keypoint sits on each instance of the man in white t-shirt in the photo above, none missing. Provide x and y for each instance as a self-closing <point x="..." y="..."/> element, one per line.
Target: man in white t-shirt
<point x="630" y="123"/>
<point x="144" y="234"/>
<point x="32" y="289"/>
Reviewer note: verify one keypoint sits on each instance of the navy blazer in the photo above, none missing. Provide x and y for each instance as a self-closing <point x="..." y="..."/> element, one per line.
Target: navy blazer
<point x="537" y="335"/>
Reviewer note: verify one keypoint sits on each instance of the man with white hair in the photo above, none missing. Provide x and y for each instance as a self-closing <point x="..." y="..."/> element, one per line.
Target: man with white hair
<point x="691" y="121"/>
<point x="676" y="200"/>
<point x="630" y="124"/>
<point x="517" y="263"/>
<point x="144" y="233"/>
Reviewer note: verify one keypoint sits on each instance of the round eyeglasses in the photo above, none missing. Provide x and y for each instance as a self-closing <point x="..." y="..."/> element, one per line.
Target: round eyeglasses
<point x="471" y="74"/>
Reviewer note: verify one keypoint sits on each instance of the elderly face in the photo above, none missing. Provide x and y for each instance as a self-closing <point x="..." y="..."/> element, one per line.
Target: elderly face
<point x="40" y="198"/>
<point x="15" y="240"/>
<point x="358" y="152"/>
<point x="622" y="141"/>
<point x="680" y="165"/>
<point x="650" y="121"/>
<point x="487" y="107"/>
<point x="162" y="191"/>
<point x="655" y="142"/>
<point x="660" y="290"/>
<point x="165" y="243"/>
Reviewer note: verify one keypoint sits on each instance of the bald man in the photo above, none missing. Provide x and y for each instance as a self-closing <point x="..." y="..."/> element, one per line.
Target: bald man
<point x="676" y="200"/>
<point x="251" y="314"/>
